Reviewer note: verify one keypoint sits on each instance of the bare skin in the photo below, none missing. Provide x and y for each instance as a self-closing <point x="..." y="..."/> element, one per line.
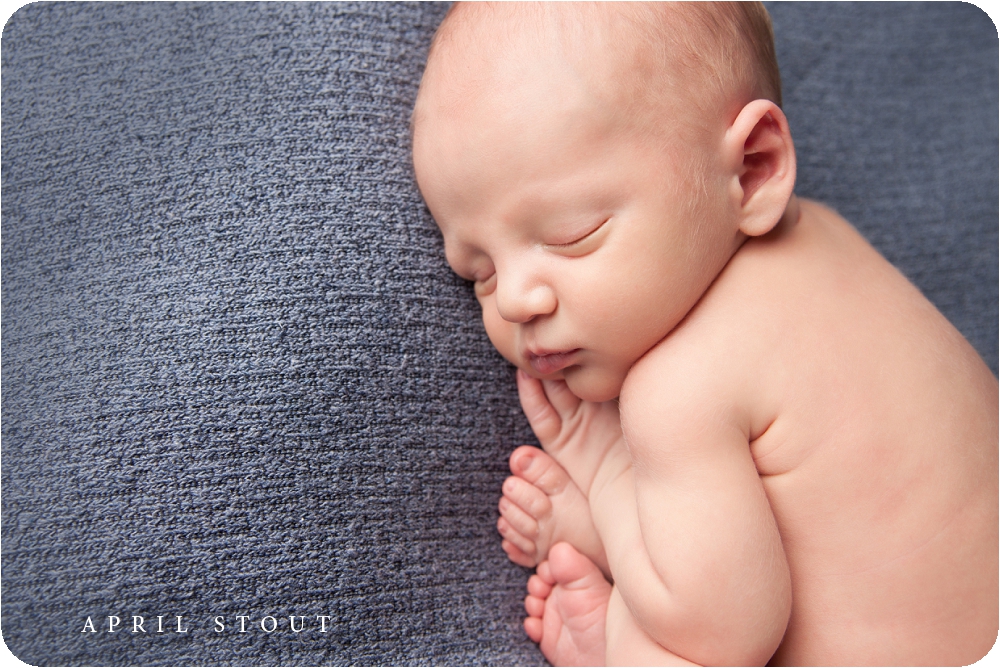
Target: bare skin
<point x="541" y="506"/>
<point x="788" y="454"/>
<point x="567" y="607"/>
<point x="852" y="571"/>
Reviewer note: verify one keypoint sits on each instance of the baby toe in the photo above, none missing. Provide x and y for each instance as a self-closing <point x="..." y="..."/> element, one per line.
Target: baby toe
<point x="534" y="605"/>
<point x="524" y="452"/>
<point x="510" y="532"/>
<point x="531" y="500"/>
<point x="533" y="628"/>
<point x="515" y="554"/>
<point x="539" y="469"/>
<point x="538" y="586"/>
<point x="570" y="568"/>
<point x="522" y="522"/>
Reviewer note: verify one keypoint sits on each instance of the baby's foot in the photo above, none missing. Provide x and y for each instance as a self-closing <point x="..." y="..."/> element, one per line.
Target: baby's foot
<point x="567" y="605"/>
<point x="541" y="506"/>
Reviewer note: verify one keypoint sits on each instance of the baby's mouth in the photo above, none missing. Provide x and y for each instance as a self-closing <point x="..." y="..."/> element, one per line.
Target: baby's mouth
<point x="552" y="362"/>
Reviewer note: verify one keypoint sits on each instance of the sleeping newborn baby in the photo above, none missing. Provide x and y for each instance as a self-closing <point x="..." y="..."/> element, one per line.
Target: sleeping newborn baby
<point x="760" y="441"/>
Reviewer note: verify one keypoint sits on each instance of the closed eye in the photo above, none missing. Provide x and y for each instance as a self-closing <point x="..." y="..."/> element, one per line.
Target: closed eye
<point x="576" y="242"/>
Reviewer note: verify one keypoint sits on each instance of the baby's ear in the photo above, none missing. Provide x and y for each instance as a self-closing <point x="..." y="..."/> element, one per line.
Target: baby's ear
<point x="759" y="149"/>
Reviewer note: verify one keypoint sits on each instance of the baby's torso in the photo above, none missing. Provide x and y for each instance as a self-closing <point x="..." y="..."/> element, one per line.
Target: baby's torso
<point x="873" y="425"/>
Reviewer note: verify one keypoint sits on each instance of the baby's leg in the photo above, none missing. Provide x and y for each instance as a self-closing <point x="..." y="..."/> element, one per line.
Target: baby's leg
<point x="628" y="644"/>
<point x="542" y="506"/>
<point x="567" y="607"/>
<point x="578" y="619"/>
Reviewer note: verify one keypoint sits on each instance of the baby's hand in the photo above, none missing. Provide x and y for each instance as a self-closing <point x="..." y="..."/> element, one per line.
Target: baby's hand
<point x="580" y="435"/>
<point x="543" y="503"/>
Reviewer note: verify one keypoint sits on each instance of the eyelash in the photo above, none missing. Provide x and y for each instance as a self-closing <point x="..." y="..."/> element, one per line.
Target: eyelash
<point x="570" y="244"/>
<point x="583" y="238"/>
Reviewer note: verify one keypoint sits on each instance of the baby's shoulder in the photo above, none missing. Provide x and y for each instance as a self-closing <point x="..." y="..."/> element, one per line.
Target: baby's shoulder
<point x="680" y="378"/>
<point x="788" y="282"/>
<point x="757" y="318"/>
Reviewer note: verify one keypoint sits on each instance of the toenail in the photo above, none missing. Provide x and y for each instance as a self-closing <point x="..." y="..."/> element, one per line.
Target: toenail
<point x="526" y="463"/>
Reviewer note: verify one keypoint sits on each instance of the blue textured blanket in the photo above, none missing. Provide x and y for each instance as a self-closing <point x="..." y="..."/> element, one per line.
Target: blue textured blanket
<point x="240" y="386"/>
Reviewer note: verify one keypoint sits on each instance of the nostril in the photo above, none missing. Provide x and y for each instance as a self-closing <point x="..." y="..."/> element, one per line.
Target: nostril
<point x="522" y="302"/>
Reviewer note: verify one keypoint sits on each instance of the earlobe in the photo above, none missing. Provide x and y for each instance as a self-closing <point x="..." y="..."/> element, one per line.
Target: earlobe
<point x="763" y="159"/>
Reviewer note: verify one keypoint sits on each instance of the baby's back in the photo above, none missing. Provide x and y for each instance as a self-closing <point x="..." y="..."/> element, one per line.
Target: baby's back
<point x="873" y="425"/>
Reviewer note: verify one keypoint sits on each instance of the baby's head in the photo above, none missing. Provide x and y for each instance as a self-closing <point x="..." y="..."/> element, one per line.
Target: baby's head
<point x="594" y="167"/>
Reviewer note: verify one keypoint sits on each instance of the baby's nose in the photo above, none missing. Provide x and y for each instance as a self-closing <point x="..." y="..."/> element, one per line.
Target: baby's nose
<point x="521" y="301"/>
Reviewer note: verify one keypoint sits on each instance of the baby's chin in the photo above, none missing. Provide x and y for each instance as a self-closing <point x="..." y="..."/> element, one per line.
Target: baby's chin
<point x="593" y="384"/>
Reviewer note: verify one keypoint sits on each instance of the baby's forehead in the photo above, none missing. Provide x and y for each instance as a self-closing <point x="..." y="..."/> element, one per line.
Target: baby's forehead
<point x="555" y="23"/>
<point x="623" y="51"/>
<point x="572" y="30"/>
<point x="712" y="52"/>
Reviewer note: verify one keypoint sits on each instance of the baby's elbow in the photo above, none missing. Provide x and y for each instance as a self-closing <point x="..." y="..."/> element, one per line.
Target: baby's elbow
<point x="752" y="642"/>
<point x="767" y="626"/>
<point x="765" y="611"/>
<point x="773" y="623"/>
<point x="764" y="626"/>
<point x="743" y="632"/>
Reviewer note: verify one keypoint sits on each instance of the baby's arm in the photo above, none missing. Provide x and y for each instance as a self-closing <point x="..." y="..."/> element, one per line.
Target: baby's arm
<point x="687" y="527"/>
<point x="707" y="579"/>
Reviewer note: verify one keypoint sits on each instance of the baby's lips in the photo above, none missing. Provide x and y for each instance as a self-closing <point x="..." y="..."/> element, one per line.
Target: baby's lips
<point x="546" y="364"/>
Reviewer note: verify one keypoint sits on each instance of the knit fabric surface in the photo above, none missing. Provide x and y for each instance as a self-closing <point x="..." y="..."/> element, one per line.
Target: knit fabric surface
<point x="238" y="377"/>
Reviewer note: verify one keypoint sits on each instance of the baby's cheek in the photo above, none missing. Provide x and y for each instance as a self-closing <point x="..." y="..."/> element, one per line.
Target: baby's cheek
<point x="502" y="334"/>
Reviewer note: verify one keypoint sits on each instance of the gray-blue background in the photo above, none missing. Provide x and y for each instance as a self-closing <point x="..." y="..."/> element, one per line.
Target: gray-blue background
<point x="238" y="377"/>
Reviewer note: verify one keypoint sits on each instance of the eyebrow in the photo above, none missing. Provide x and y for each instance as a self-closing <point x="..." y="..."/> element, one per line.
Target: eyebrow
<point x="565" y="206"/>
